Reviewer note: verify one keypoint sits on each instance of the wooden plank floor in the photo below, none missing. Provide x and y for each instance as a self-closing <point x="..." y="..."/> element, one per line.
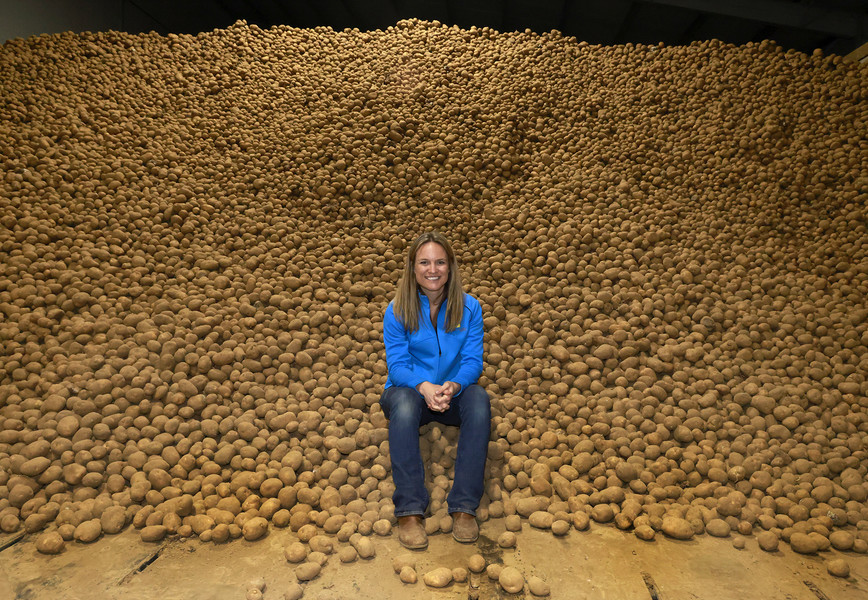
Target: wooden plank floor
<point x="601" y="563"/>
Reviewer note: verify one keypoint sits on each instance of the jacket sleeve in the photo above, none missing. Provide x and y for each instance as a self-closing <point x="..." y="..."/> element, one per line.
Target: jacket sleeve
<point x="398" y="360"/>
<point x="471" y="350"/>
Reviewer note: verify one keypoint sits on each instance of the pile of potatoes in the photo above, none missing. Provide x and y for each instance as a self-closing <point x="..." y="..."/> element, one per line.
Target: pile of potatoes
<point x="199" y="236"/>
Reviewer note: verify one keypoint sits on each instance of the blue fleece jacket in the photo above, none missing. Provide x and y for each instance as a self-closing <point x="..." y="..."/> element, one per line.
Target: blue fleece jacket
<point x="430" y="354"/>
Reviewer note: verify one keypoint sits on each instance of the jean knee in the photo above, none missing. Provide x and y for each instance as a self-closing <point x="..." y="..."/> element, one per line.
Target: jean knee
<point x="400" y="403"/>
<point x="477" y="404"/>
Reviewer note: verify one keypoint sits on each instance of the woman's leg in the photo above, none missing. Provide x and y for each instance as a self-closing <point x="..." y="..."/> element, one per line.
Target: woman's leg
<point x="474" y="412"/>
<point x="404" y="407"/>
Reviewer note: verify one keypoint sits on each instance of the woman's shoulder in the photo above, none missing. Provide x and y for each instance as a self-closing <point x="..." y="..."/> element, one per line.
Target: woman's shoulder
<point x="389" y="312"/>
<point x="471" y="302"/>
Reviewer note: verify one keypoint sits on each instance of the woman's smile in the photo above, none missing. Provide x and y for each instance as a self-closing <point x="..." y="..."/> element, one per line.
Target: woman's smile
<point x="431" y="269"/>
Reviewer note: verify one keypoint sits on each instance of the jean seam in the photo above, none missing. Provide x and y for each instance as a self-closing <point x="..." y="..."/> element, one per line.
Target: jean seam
<point x="469" y="511"/>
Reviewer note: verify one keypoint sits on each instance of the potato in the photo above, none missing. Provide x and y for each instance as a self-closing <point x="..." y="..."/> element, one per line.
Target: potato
<point x="364" y="546"/>
<point x="382" y="527"/>
<point x="293" y="592"/>
<point x="476" y="563"/>
<point x="348" y="554"/>
<point x="88" y="531"/>
<point x="295" y="552"/>
<point x="438" y="578"/>
<point x="842" y="540"/>
<point x="113" y="519"/>
<point x="308" y="571"/>
<point x="321" y="543"/>
<point x="541" y="519"/>
<point x="506" y="540"/>
<point x="153" y="533"/>
<point x="408" y="575"/>
<point x="560" y="527"/>
<point x="254" y="529"/>
<point x="677" y="528"/>
<point x="767" y="540"/>
<point x="403" y="560"/>
<point x="803" y="543"/>
<point x="717" y="528"/>
<point x="838" y="567"/>
<point x="537" y="586"/>
<point x="511" y="580"/>
<point x="49" y="543"/>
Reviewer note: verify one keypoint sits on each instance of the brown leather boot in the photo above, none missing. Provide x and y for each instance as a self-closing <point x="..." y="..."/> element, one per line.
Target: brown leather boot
<point x="465" y="529"/>
<point x="411" y="532"/>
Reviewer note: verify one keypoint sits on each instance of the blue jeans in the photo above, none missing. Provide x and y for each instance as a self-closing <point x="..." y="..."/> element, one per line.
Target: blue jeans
<point x="406" y="410"/>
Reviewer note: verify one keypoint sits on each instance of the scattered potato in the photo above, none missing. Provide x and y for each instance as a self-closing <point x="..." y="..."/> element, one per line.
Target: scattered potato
<point x="364" y="546"/>
<point x="768" y="541"/>
<point x="408" y="575"/>
<point x="293" y="592"/>
<point x="438" y="578"/>
<point x="537" y="586"/>
<point x="511" y="580"/>
<point x="295" y="552"/>
<point x="838" y="567"/>
<point x="403" y="560"/>
<point x="307" y="571"/>
<point x="476" y="563"/>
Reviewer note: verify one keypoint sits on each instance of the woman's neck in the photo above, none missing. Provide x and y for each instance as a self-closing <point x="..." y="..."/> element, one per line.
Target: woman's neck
<point x="434" y="299"/>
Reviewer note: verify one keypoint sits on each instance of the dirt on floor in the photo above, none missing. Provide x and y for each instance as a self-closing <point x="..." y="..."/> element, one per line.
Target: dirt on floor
<point x="600" y="563"/>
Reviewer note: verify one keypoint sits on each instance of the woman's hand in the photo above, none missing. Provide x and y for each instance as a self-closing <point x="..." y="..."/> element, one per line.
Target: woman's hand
<point x="438" y="397"/>
<point x="429" y="393"/>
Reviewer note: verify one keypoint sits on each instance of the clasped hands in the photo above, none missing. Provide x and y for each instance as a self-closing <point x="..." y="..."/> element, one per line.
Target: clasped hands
<point x="438" y="397"/>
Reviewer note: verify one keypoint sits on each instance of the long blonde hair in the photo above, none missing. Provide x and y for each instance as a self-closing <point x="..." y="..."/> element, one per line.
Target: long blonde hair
<point x="406" y="305"/>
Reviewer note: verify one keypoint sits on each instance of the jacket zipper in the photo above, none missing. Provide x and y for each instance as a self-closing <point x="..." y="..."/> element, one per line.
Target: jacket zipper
<point x="437" y="335"/>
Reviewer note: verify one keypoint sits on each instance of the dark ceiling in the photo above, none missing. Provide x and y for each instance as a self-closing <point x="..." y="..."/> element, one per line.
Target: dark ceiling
<point x="835" y="26"/>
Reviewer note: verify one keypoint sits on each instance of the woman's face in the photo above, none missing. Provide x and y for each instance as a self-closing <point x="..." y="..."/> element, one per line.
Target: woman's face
<point x="431" y="268"/>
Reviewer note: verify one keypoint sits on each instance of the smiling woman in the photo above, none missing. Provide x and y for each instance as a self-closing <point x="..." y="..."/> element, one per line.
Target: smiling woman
<point x="434" y="364"/>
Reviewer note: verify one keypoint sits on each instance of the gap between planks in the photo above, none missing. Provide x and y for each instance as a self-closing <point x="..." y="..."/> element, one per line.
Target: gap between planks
<point x="144" y="564"/>
<point x="652" y="587"/>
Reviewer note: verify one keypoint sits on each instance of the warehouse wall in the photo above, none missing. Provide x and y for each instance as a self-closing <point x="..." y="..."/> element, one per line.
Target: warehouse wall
<point x="23" y="19"/>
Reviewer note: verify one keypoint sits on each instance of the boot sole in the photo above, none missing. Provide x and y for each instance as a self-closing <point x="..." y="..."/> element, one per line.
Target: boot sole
<point x="420" y="546"/>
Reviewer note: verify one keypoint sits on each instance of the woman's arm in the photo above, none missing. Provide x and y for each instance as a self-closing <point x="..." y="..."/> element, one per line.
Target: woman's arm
<point x="471" y="350"/>
<point x="398" y="360"/>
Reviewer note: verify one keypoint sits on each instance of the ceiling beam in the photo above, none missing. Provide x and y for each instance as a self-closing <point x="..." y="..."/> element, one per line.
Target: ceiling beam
<point x="844" y="23"/>
<point x="860" y="54"/>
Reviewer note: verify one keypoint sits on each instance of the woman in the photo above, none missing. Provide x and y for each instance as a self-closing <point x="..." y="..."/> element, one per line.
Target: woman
<point x="433" y="336"/>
